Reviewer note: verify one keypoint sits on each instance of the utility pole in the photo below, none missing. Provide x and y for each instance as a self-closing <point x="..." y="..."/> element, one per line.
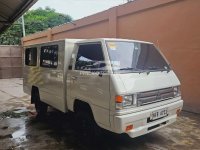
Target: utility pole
<point x="23" y="26"/>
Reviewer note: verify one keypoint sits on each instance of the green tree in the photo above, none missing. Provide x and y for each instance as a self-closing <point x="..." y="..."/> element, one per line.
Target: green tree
<point x="35" y="21"/>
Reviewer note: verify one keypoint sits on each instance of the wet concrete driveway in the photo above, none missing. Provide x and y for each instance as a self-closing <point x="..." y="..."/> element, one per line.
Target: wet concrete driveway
<point x="19" y="128"/>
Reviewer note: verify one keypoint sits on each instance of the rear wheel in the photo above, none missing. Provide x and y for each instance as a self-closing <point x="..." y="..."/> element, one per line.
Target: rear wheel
<point x="41" y="107"/>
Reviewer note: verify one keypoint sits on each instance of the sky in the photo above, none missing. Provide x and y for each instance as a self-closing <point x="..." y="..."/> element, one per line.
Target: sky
<point x="78" y="8"/>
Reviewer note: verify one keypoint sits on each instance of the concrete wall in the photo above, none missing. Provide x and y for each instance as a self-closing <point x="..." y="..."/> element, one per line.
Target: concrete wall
<point x="173" y="25"/>
<point x="10" y="62"/>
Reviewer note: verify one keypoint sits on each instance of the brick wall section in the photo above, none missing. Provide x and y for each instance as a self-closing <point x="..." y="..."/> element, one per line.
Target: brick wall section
<point x="10" y="62"/>
<point x="173" y="25"/>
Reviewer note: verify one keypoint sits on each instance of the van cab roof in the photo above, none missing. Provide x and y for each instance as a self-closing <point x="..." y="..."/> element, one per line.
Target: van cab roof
<point x="112" y="39"/>
<point x="90" y="40"/>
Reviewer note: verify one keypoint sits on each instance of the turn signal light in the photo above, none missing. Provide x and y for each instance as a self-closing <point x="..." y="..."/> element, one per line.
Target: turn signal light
<point x="128" y="128"/>
<point x="118" y="99"/>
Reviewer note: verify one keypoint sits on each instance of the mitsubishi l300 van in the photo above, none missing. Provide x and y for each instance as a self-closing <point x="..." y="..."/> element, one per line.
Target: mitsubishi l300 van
<point x="124" y="86"/>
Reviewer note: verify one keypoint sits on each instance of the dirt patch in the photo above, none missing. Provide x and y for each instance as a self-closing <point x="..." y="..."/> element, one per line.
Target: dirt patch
<point x="11" y="114"/>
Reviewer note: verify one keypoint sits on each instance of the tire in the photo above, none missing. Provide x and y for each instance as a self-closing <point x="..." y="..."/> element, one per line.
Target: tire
<point x="40" y="107"/>
<point x="87" y="129"/>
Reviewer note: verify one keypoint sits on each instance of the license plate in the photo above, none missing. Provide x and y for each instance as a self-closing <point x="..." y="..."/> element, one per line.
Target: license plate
<point x="158" y="114"/>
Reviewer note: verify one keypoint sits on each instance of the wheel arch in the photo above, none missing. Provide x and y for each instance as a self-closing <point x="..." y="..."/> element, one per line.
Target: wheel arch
<point x="80" y="105"/>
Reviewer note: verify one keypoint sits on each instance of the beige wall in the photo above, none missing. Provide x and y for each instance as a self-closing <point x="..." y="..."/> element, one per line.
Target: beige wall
<point x="173" y="25"/>
<point x="10" y="62"/>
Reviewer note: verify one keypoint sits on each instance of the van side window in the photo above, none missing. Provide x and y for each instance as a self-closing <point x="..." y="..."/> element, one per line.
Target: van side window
<point x="90" y="58"/>
<point x="49" y="56"/>
<point x="31" y="56"/>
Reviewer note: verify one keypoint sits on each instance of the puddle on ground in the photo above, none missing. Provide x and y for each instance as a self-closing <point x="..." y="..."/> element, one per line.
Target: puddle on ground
<point x="19" y="133"/>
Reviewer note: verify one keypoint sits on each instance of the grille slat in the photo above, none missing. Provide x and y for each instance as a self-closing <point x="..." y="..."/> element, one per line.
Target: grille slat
<point x="149" y="97"/>
<point x="167" y="95"/>
<point x="147" y="94"/>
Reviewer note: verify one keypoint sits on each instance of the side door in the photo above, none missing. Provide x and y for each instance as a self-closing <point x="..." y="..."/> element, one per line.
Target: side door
<point x="90" y="82"/>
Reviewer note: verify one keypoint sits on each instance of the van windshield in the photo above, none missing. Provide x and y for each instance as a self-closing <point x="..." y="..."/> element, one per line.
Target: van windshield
<point x="135" y="57"/>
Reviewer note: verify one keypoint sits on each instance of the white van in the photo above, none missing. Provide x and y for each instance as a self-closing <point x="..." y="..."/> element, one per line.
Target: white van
<point x="124" y="86"/>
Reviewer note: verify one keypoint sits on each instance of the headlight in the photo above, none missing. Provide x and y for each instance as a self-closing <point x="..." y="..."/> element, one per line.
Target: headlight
<point x="177" y="91"/>
<point x="125" y="101"/>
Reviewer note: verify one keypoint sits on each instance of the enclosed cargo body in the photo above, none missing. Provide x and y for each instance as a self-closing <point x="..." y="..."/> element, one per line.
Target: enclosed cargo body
<point x="49" y="76"/>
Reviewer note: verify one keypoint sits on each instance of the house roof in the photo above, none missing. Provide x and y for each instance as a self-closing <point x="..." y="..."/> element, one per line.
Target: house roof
<point x="11" y="10"/>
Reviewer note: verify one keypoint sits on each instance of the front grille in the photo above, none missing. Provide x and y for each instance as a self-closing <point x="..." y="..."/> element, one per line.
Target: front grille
<point x="145" y="98"/>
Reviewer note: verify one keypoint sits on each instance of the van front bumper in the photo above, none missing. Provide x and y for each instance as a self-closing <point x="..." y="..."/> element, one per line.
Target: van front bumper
<point x="141" y="120"/>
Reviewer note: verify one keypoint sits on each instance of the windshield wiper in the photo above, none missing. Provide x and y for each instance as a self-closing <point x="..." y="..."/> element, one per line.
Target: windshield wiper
<point x="159" y="69"/>
<point x="128" y="68"/>
<point x="136" y="70"/>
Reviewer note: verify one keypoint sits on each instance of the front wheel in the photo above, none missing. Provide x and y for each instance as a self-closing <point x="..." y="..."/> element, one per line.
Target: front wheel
<point x="87" y="128"/>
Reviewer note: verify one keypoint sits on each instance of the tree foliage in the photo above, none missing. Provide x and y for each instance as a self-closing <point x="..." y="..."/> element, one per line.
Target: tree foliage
<point x="35" y="21"/>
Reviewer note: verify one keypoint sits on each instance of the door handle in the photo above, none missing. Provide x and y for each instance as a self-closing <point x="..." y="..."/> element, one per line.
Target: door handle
<point x="74" y="78"/>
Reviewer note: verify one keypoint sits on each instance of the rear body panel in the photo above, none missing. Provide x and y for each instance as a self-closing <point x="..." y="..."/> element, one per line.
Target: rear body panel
<point x="50" y="81"/>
